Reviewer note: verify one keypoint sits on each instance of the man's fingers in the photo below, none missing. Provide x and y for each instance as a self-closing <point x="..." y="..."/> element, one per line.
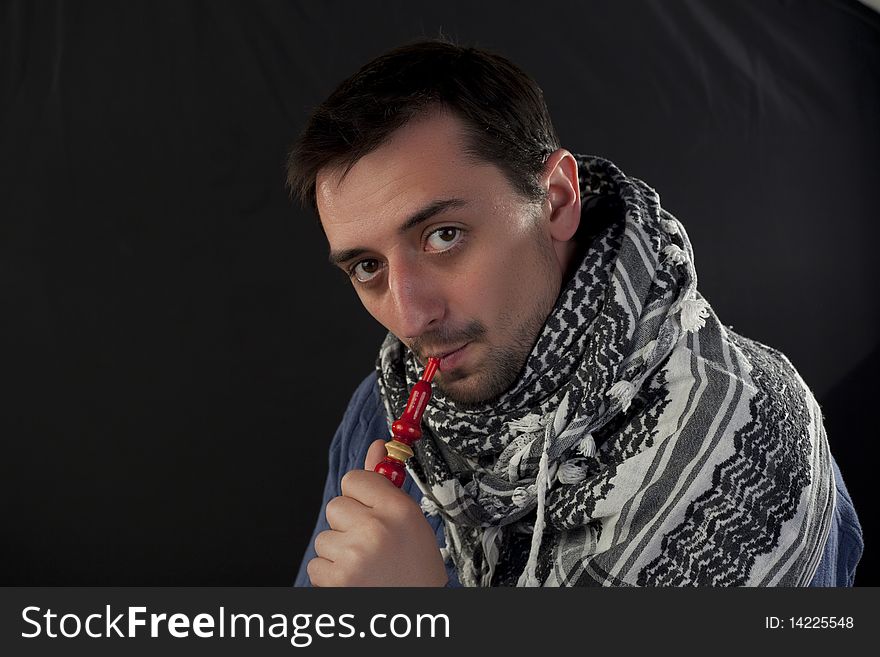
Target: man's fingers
<point x="375" y="454"/>
<point x="331" y="545"/>
<point x="320" y="572"/>
<point x="369" y="488"/>
<point x="344" y="513"/>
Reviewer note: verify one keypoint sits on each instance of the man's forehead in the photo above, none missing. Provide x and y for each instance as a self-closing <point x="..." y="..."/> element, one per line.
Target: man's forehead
<point x="378" y="189"/>
<point x="417" y="159"/>
<point x="421" y="161"/>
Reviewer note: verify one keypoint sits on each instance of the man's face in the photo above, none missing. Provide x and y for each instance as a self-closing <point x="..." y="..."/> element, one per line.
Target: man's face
<point x="445" y="254"/>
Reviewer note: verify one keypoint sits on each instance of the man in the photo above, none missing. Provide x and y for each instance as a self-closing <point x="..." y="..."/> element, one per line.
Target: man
<point x="593" y="422"/>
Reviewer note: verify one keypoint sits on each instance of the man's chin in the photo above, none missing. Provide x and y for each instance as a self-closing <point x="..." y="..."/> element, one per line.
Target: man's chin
<point x="465" y="390"/>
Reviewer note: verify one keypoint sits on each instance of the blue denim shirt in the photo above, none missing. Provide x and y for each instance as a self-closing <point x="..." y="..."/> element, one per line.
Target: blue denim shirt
<point x="364" y="422"/>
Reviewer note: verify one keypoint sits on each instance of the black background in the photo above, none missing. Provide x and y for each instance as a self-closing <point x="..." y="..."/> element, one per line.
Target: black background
<point x="176" y="351"/>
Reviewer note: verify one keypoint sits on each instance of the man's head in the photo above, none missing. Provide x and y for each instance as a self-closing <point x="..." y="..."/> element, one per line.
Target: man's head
<point x="443" y="193"/>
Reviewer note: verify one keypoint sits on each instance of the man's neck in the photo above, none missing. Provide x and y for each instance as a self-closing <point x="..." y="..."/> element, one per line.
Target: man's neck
<point x="574" y="254"/>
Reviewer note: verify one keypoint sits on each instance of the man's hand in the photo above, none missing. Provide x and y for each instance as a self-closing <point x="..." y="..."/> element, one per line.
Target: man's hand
<point x="378" y="535"/>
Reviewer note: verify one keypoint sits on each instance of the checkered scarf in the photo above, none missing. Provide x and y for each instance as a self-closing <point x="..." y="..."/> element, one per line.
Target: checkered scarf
<point x="643" y="444"/>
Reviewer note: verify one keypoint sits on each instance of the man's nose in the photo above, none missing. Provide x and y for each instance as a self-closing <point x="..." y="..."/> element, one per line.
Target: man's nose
<point x="417" y="299"/>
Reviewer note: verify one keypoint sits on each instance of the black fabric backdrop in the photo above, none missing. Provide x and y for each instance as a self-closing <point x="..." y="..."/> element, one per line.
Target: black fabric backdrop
<point x="176" y="352"/>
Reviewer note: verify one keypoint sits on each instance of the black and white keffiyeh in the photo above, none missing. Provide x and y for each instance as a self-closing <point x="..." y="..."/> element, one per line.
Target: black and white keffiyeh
<point x="644" y="443"/>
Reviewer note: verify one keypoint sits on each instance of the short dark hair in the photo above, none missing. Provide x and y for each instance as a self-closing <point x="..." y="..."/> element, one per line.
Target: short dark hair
<point x="503" y="110"/>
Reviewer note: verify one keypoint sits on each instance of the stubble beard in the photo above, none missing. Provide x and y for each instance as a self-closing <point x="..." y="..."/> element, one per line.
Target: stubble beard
<point x="500" y="369"/>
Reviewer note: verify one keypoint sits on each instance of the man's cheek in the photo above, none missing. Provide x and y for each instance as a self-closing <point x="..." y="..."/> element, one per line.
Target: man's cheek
<point x="378" y="313"/>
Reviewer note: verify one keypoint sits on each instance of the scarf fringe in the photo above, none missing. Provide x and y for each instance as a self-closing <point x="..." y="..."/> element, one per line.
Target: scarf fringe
<point x="571" y="472"/>
<point x="670" y="226"/>
<point x="429" y="507"/>
<point x="623" y="392"/>
<point x="676" y="254"/>
<point x="694" y="313"/>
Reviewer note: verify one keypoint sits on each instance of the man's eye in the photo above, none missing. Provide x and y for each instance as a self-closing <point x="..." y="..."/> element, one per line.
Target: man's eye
<point x="365" y="270"/>
<point x="444" y="238"/>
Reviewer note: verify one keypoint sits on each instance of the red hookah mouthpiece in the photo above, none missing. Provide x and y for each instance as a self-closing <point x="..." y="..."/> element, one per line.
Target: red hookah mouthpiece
<point x="430" y="369"/>
<point x="408" y="428"/>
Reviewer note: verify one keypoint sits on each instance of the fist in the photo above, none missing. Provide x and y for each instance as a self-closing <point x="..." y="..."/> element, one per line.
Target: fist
<point x="378" y="535"/>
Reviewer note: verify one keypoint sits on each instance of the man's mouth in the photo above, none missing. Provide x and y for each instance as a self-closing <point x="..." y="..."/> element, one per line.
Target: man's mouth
<point x="443" y="354"/>
<point x="450" y="358"/>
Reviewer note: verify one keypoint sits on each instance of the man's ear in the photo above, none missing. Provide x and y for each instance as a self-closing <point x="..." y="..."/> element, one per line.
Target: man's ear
<point x="563" y="194"/>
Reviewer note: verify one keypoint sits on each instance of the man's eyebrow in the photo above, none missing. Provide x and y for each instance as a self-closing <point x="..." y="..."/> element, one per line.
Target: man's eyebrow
<point x="435" y="207"/>
<point x="430" y="210"/>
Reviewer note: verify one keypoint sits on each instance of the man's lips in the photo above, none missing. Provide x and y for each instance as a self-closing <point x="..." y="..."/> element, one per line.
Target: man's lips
<point x="450" y="359"/>
<point x="443" y="354"/>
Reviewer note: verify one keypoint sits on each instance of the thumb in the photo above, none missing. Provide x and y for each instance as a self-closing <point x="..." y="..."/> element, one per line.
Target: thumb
<point x="375" y="454"/>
